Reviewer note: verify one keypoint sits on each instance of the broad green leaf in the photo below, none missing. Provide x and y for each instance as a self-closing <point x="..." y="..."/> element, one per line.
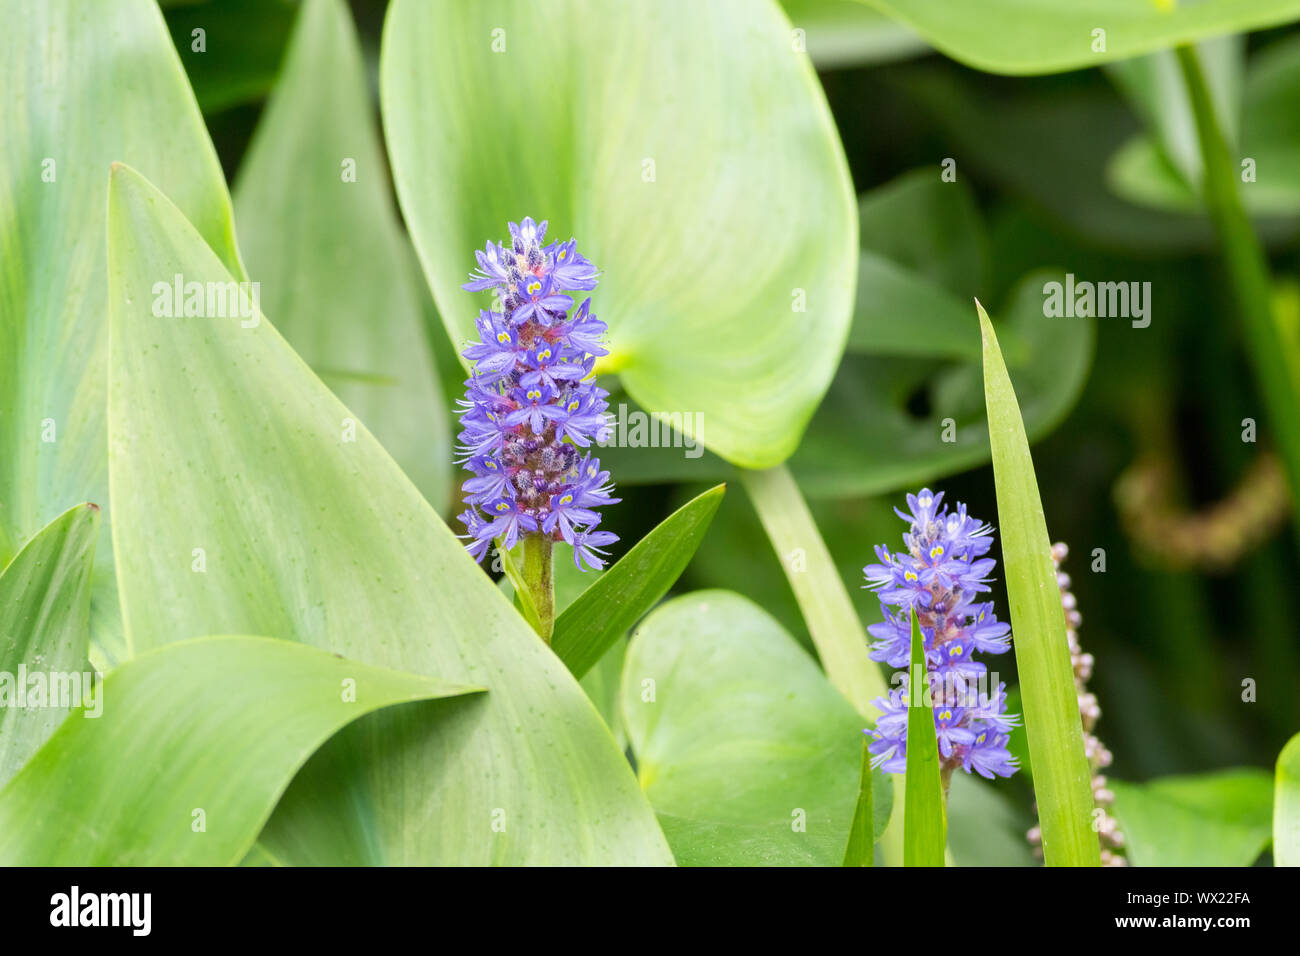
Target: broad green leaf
<point x="747" y="753"/>
<point x="726" y="295"/>
<point x="312" y="537"/>
<point x="843" y="33"/>
<point x="190" y="748"/>
<point x="1062" y="779"/>
<point x="1045" y="36"/>
<point x="81" y="86"/>
<point x="321" y="236"/>
<point x="862" y="840"/>
<point x="1222" y="818"/>
<point x="44" y="632"/>
<point x="231" y="49"/>
<point x="602" y="685"/>
<point x="884" y="424"/>
<point x="925" y="827"/>
<point x="929" y="227"/>
<point x="924" y="256"/>
<point x="1286" y="807"/>
<point x="619" y="598"/>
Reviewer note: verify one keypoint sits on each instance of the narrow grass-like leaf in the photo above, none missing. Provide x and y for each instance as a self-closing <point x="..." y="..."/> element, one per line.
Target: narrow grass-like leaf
<point x="623" y="594"/>
<point x="208" y="731"/>
<point x="925" y="825"/>
<point x="861" y="838"/>
<point x="747" y="753"/>
<point x="1062" y="781"/>
<point x="1286" y="806"/>
<point x="44" y="628"/>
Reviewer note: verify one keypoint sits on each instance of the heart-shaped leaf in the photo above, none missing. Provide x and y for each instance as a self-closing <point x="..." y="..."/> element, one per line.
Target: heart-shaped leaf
<point x="747" y="753"/>
<point x="307" y="530"/>
<point x="94" y="83"/>
<point x="45" y="616"/>
<point x="691" y="153"/>
<point x="187" y="751"/>
<point x="1222" y="818"/>
<point x="1044" y="36"/>
<point x="321" y="236"/>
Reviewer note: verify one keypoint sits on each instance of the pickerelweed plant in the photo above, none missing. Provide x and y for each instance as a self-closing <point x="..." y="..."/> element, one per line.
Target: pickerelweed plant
<point x="939" y="578"/>
<point x="531" y="406"/>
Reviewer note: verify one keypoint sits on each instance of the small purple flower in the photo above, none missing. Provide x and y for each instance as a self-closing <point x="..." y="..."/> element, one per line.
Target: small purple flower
<point x="938" y="579"/>
<point x="531" y="402"/>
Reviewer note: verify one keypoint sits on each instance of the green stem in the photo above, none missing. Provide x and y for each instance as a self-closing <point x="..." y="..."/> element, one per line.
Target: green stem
<point x="832" y="620"/>
<point x="1248" y="272"/>
<point x="836" y="631"/>
<point x="540" y="581"/>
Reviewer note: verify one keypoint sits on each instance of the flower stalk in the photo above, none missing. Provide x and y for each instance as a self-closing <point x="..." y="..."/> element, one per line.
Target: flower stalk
<point x="539" y="578"/>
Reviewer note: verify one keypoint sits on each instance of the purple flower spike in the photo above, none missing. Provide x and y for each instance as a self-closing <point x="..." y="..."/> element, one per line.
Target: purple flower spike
<point x="939" y="578"/>
<point x="531" y="403"/>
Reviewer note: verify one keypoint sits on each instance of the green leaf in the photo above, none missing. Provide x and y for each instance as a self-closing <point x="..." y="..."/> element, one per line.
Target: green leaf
<point x="1154" y="86"/>
<point x="335" y="268"/>
<point x="309" y="536"/>
<point x="45" y="615"/>
<point x="619" y="598"/>
<point x="861" y="836"/>
<point x="601" y="684"/>
<point x="842" y="33"/>
<point x="1024" y="140"/>
<point x="747" y="753"/>
<point x="925" y="826"/>
<point x="1149" y="170"/>
<point x="1222" y="818"/>
<point x="1062" y="779"/>
<point x="1044" y="36"/>
<point x="648" y="103"/>
<point x="870" y="437"/>
<point x="94" y="83"/>
<point x="205" y="731"/>
<point x="924" y="256"/>
<point x="1286" y="808"/>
